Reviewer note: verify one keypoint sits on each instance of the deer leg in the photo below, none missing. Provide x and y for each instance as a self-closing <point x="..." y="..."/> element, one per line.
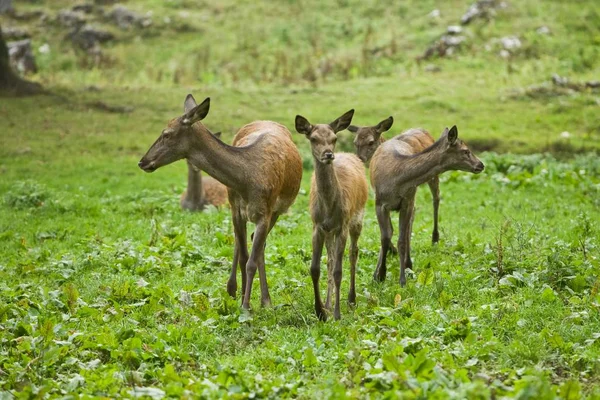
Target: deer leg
<point x="340" y="245"/>
<point x="393" y="249"/>
<point x="329" y="245"/>
<point x="405" y="222"/>
<point x="257" y="262"/>
<point x="434" y="185"/>
<point x="315" y="270"/>
<point x="354" y="235"/>
<point x="240" y="255"/>
<point x="385" y="228"/>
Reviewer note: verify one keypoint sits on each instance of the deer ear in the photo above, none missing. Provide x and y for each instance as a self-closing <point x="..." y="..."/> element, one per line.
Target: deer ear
<point x="189" y="103"/>
<point x="353" y="128"/>
<point x="303" y="126"/>
<point x="342" y="122"/>
<point x="197" y="113"/>
<point x="452" y="135"/>
<point x="385" y="125"/>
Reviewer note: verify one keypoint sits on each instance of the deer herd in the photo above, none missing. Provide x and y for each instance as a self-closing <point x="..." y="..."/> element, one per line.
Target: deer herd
<point x="260" y="175"/>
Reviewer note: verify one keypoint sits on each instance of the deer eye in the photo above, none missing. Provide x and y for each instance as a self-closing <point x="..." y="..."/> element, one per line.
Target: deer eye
<point x="371" y="142"/>
<point x="466" y="152"/>
<point x="313" y="139"/>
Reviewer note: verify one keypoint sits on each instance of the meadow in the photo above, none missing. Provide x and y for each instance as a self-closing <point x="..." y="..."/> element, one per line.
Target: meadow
<point x="108" y="289"/>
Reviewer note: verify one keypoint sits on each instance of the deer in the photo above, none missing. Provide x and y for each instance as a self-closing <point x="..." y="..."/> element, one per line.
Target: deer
<point x="396" y="169"/>
<point x="368" y="139"/>
<point x="202" y="191"/>
<point x="338" y="194"/>
<point x="262" y="171"/>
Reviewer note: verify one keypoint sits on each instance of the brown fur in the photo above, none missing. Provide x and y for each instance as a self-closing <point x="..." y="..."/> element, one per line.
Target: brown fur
<point x="202" y="191"/>
<point x="262" y="172"/>
<point x="397" y="168"/>
<point x="338" y="195"/>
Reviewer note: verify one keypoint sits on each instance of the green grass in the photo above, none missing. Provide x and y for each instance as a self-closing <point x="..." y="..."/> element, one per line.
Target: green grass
<point x="108" y="289"/>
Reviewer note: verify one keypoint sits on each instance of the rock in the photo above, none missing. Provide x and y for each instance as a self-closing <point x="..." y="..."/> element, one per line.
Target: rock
<point x="86" y="8"/>
<point x="70" y="19"/>
<point x="481" y="9"/>
<point x="445" y="46"/>
<point x="21" y="56"/>
<point x="454" y="30"/>
<point x="125" y="18"/>
<point x="88" y="38"/>
<point x="434" y="14"/>
<point x="504" y="53"/>
<point x="543" y="30"/>
<point x="15" y="33"/>
<point x="29" y="15"/>
<point x="565" y="135"/>
<point x="6" y="7"/>
<point x="44" y="49"/>
<point x="510" y="42"/>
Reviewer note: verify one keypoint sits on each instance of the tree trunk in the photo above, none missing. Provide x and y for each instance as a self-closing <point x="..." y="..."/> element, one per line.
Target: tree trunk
<point x="10" y="82"/>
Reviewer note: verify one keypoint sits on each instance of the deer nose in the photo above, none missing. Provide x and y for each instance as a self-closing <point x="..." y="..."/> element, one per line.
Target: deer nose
<point x="329" y="155"/>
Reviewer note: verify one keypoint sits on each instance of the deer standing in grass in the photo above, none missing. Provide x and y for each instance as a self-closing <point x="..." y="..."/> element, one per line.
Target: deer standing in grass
<point x="338" y="194"/>
<point x="262" y="172"/>
<point x="397" y="168"/>
<point x="368" y="139"/>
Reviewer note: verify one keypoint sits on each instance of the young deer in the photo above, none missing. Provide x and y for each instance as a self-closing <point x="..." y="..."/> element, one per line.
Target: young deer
<point x="338" y="194"/>
<point x="202" y="191"/>
<point x="396" y="171"/>
<point x="368" y="139"/>
<point x="262" y="172"/>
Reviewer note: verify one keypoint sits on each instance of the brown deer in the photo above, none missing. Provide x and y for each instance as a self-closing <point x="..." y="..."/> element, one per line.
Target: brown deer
<point x="202" y="191"/>
<point x="368" y="139"/>
<point x="397" y="168"/>
<point x="262" y="172"/>
<point x="338" y="194"/>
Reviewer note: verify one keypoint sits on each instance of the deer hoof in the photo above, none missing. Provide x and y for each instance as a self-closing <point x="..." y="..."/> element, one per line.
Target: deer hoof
<point x="232" y="288"/>
<point x="435" y="237"/>
<point x="337" y="315"/>
<point x="321" y="314"/>
<point x="265" y="303"/>
<point x="352" y="299"/>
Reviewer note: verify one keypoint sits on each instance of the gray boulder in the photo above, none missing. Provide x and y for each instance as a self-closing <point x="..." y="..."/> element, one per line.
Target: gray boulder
<point x="21" y="56"/>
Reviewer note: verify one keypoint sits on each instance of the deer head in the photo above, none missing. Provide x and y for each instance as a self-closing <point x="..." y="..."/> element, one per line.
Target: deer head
<point x="174" y="141"/>
<point x="368" y="138"/>
<point x="323" y="136"/>
<point x="456" y="153"/>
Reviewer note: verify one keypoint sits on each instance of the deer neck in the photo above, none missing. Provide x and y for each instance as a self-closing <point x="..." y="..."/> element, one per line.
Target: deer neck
<point x="194" y="186"/>
<point x="422" y="167"/>
<point x="327" y="185"/>
<point x="227" y="164"/>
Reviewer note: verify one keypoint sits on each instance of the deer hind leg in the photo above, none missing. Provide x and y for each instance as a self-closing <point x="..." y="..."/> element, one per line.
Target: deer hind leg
<point x="240" y="253"/>
<point x="329" y="245"/>
<point x="385" y="228"/>
<point x="393" y="249"/>
<point x="405" y="224"/>
<point x="315" y="270"/>
<point x="256" y="262"/>
<point x="355" y="230"/>
<point x="340" y="245"/>
<point x="434" y="185"/>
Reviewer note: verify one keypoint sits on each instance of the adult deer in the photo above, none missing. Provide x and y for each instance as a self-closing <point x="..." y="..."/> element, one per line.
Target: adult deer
<point x="368" y="139"/>
<point x="338" y="194"/>
<point x="397" y="168"/>
<point x="202" y="191"/>
<point x="262" y="172"/>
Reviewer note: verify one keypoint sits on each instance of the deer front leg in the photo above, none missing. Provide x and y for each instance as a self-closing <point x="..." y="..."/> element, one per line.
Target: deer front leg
<point x="434" y="185"/>
<point x="385" y="228"/>
<point x="315" y="270"/>
<point x="330" y="246"/>
<point x="354" y="235"/>
<point x="340" y="245"/>
<point x="240" y="253"/>
<point x="406" y="214"/>
<point x="257" y="262"/>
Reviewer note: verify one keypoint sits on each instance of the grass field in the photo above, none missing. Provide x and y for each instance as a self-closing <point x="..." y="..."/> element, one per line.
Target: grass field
<point x="108" y="289"/>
